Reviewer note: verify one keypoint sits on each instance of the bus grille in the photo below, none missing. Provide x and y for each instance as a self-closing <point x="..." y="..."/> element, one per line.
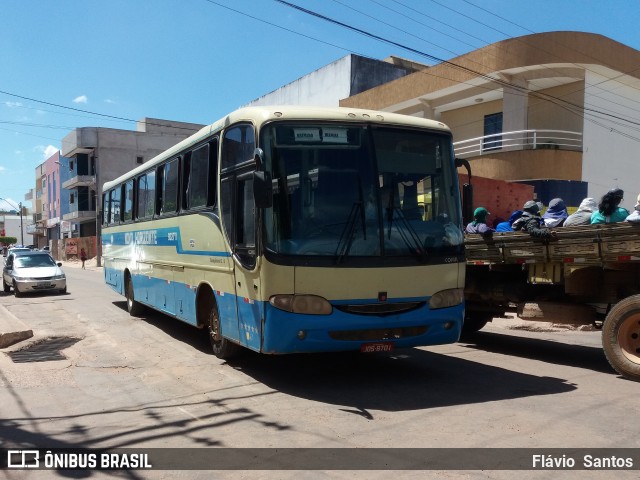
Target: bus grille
<point x="380" y="309"/>
<point x="375" y="334"/>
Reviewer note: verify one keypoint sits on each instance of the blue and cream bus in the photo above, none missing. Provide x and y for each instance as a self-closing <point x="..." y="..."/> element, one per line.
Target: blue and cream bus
<point x="295" y="229"/>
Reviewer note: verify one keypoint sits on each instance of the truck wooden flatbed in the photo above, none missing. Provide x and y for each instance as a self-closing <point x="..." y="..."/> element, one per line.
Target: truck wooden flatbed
<point x="587" y="275"/>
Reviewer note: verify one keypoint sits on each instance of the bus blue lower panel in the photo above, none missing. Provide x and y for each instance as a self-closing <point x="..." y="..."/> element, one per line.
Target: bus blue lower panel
<point x="284" y="332"/>
<point x="294" y="333"/>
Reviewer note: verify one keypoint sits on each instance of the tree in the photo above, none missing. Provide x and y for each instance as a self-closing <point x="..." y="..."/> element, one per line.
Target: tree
<point x="8" y="240"/>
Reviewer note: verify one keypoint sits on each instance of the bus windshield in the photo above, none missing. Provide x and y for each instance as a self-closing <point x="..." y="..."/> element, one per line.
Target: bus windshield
<point x="346" y="192"/>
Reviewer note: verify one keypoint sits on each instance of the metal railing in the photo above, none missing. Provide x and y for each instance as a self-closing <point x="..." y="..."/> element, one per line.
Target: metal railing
<point x="519" y="140"/>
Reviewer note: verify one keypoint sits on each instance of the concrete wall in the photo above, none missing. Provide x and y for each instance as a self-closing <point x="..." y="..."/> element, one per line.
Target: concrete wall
<point x="326" y="86"/>
<point x="544" y="114"/>
<point x="12" y="229"/>
<point x="611" y="155"/>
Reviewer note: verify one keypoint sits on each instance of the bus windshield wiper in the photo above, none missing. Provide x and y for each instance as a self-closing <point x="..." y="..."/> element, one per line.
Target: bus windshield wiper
<point x="349" y="231"/>
<point x="350" y="228"/>
<point x="412" y="239"/>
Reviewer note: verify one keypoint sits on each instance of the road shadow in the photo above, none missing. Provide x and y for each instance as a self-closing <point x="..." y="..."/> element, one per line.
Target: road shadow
<point x="548" y="351"/>
<point x="408" y="379"/>
<point x="180" y="331"/>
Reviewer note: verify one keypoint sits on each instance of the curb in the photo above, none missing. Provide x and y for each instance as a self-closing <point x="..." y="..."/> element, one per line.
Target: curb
<point x="12" y="330"/>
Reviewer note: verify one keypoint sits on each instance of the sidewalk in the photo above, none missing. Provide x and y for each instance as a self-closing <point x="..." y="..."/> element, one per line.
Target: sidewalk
<point x="88" y="265"/>
<point x="12" y="330"/>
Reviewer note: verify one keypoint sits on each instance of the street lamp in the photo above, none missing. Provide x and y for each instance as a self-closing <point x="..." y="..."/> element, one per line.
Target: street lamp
<point x="20" y="210"/>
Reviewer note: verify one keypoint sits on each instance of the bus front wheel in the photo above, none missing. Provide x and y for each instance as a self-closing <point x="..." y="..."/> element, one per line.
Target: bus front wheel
<point x="222" y="348"/>
<point x="134" y="308"/>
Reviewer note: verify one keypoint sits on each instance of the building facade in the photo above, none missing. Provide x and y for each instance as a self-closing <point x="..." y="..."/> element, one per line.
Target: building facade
<point x="95" y="155"/>
<point x="343" y="78"/>
<point x="554" y="110"/>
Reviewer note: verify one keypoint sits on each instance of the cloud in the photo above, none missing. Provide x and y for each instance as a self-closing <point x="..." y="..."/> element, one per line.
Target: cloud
<point x="81" y="99"/>
<point x="13" y="104"/>
<point x="47" y="151"/>
<point x="2" y="169"/>
<point x="50" y="150"/>
<point x="108" y="100"/>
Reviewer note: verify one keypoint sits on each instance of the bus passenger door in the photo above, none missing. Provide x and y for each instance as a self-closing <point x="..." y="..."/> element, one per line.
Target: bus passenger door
<point x="244" y="256"/>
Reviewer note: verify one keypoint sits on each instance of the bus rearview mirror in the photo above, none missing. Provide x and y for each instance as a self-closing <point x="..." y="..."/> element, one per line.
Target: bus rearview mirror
<point x="262" y="189"/>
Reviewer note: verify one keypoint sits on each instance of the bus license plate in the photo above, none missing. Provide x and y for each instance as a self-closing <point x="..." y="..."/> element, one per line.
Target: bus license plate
<point x="376" y="347"/>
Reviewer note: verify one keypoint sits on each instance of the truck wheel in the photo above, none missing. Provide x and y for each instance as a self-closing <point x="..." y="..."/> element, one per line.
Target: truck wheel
<point x="475" y="321"/>
<point x="621" y="337"/>
<point x="222" y="348"/>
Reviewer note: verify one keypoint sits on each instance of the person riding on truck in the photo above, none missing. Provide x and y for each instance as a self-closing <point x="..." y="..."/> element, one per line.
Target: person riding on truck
<point x="532" y="222"/>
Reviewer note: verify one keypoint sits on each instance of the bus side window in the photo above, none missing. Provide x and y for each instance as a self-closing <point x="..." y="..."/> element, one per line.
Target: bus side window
<point x="127" y="201"/>
<point x="146" y="195"/>
<point x="199" y="177"/>
<point x="105" y="208"/>
<point x="114" y="206"/>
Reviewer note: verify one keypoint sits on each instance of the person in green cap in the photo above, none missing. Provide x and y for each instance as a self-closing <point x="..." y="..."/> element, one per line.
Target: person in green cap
<point x="479" y="224"/>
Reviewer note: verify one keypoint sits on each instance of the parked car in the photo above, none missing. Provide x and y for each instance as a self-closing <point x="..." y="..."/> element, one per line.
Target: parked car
<point x="32" y="271"/>
<point x="45" y="248"/>
<point x="17" y="249"/>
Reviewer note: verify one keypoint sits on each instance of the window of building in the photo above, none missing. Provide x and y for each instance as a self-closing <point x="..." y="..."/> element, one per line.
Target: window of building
<point x="492" y="127"/>
<point x="139" y="159"/>
<point x="72" y="198"/>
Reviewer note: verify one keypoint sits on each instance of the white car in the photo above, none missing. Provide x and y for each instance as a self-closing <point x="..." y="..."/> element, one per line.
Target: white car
<point x="32" y="271"/>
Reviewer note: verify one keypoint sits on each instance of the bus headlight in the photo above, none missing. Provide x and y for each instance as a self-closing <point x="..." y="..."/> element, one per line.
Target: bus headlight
<point x="446" y="298"/>
<point x="305" y="304"/>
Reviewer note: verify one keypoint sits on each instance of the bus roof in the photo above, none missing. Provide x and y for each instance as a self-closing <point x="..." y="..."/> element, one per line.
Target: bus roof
<point x="260" y="115"/>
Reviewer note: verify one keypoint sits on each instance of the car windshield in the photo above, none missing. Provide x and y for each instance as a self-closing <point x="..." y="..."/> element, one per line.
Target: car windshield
<point x="31" y="261"/>
<point x="345" y="191"/>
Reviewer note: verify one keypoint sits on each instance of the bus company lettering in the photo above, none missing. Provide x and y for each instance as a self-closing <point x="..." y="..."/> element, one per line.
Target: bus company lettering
<point x="145" y="237"/>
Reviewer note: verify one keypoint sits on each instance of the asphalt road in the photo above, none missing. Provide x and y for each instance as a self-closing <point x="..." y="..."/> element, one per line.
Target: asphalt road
<point x="151" y="382"/>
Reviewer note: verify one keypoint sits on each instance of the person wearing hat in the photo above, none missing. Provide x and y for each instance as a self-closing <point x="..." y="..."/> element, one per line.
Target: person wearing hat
<point x="635" y="215"/>
<point x="582" y="216"/>
<point x="532" y="222"/>
<point x="608" y="209"/>
<point x="556" y="214"/>
<point x="479" y="224"/>
<point x="506" y="225"/>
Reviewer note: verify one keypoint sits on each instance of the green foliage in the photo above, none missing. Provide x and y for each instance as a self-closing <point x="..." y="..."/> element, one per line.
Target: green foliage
<point x="8" y="240"/>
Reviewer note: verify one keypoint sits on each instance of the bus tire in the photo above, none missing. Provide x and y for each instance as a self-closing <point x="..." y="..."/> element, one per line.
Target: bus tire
<point x="475" y="321"/>
<point x="5" y="287"/>
<point x="621" y="337"/>
<point x="134" y="308"/>
<point x="222" y="348"/>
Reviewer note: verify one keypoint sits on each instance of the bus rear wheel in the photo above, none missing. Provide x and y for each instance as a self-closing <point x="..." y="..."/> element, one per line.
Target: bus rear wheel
<point x="222" y="348"/>
<point x="134" y="308"/>
<point x="621" y="337"/>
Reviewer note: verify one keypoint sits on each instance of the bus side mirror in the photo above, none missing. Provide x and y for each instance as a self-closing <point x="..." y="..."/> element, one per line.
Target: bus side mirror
<point x="262" y="189"/>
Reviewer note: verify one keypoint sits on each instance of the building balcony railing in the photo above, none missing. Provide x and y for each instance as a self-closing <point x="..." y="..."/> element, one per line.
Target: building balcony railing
<point x="518" y="140"/>
<point x="80" y="216"/>
<point x="80" y="181"/>
<point x="37" y="217"/>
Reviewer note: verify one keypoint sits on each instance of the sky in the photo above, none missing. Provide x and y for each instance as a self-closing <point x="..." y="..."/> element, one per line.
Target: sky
<point x="79" y="63"/>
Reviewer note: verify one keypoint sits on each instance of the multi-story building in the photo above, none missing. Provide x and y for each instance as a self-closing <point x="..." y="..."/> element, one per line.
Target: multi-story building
<point x="556" y="110"/>
<point x="95" y="155"/>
